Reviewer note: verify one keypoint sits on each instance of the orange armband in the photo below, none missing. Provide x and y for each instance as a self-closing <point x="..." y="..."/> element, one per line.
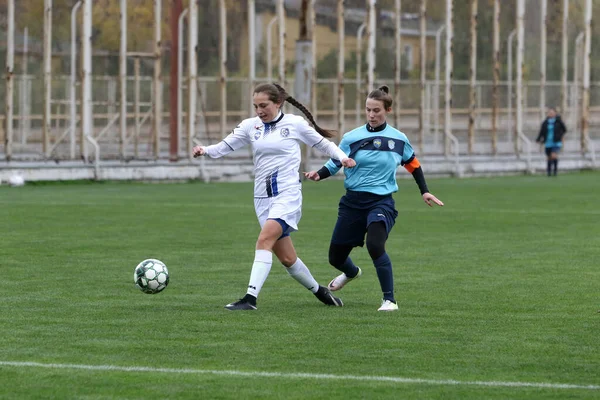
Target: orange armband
<point x="411" y="166"/>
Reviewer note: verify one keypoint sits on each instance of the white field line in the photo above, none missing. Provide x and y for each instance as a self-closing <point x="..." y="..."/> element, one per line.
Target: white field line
<point x="259" y="374"/>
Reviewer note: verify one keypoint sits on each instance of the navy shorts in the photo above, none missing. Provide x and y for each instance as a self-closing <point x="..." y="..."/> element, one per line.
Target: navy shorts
<point x="554" y="149"/>
<point x="285" y="228"/>
<point x="357" y="210"/>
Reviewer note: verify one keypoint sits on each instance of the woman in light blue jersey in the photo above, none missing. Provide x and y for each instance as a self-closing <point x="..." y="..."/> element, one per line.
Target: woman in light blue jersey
<point x="551" y="136"/>
<point x="368" y="207"/>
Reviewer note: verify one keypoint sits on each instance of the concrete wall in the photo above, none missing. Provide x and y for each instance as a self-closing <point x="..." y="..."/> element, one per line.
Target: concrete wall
<point x="239" y="168"/>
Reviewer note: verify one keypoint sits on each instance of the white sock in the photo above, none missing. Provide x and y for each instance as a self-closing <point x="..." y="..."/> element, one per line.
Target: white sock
<point x="263" y="259"/>
<point x="299" y="271"/>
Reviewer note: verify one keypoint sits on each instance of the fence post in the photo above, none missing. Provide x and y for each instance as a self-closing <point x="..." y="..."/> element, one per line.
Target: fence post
<point x="157" y="120"/>
<point x="47" y="76"/>
<point x="10" y="54"/>
<point x="496" y="67"/>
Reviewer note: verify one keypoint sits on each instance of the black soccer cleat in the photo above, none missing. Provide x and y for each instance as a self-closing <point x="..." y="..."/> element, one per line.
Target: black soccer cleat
<point x="248" y="302"/>
<point x="325" y="296"/>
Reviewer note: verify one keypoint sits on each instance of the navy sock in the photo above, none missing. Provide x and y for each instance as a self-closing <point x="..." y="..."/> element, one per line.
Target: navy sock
<point x="348" y="268"/>
<point x="383" y="266"/>
<point x="549" y="167"/>
<point x="555" y="165"/>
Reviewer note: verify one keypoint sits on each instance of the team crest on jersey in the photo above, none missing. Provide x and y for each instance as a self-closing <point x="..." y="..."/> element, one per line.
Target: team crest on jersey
<point x="285" y="132"/>
<point x="377" y="143"/>
<point x="391" y="144"/>
<point x="256" y="135"/>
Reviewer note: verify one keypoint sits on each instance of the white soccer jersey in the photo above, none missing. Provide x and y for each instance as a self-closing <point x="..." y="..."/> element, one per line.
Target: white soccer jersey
<point x="275" y="149"/>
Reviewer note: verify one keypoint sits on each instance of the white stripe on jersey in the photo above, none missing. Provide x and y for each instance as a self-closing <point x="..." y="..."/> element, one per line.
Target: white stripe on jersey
<point x="277" y="154"/>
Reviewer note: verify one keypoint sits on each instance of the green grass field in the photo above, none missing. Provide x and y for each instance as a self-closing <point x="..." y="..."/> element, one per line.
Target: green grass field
<point x="498" y="295"/>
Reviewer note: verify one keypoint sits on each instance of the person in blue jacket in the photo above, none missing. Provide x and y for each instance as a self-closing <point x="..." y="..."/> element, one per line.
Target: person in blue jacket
<point x="368" y="206"/>
<point x="551" y="136"/>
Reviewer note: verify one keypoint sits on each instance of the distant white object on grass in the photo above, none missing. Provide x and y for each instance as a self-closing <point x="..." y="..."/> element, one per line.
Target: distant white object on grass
<point x="16" y="180"/>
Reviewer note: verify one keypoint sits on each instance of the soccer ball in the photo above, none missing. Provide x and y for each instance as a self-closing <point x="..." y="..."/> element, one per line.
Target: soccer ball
<point x="16" y="180"/>
<point x="151" y="276"/>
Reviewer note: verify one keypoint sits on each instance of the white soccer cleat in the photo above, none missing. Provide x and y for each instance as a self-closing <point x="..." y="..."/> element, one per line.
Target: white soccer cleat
<point x="387" y="305"/>
<point x="341" y="280"/>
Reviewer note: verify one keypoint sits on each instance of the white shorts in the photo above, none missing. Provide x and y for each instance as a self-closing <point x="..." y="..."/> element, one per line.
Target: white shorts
<point x="286" y="206"/>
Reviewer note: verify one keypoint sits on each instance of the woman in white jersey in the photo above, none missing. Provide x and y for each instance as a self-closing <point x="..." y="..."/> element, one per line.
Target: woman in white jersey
<point x="275" y="139"/>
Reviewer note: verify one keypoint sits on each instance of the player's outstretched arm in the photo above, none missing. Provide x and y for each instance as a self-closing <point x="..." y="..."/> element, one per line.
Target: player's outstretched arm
<point x="414" y="167"/>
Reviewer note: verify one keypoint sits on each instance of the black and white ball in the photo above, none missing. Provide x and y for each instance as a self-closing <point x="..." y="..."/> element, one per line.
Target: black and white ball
<point x="151" y="276"/>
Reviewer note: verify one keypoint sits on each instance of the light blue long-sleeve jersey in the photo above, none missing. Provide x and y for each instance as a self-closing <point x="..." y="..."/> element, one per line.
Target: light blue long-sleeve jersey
<point x="550" y="135"/>
<point x="378" y="153"/>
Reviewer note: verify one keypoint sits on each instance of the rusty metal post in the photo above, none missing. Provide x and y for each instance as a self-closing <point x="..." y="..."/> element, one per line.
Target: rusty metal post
<point x="223" y="64"/>
<point x="448" y="77"/>
<point x="496" y="66"/>
<point x="473" y="76"/>
<point x="520" y="65"/>
<point x="423" y="70"/>
<point x="585" y="101"/>
<point x="282" y="36"/>
<point x="398" y="60"/>
<point x="565" y="57"/>
<point x="10" y="64"/>
<point x="174" y="137"/>
<point x="543" y="31"/>
<point x="157" y="120"/>
<point x="340" y="73"/>
<point x="47" y="76"/>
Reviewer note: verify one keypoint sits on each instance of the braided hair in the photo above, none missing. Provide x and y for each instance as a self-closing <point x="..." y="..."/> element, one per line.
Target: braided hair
<point x="277" y="94"/>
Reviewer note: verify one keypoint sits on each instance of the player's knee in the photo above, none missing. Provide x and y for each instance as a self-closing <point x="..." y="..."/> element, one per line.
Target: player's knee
<point x="265" y="242"/>
<point x="375" y="247"/>
<point x="336" y="259"/>
<point x="288" y="260"/>
<point x="376" y="238"/>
